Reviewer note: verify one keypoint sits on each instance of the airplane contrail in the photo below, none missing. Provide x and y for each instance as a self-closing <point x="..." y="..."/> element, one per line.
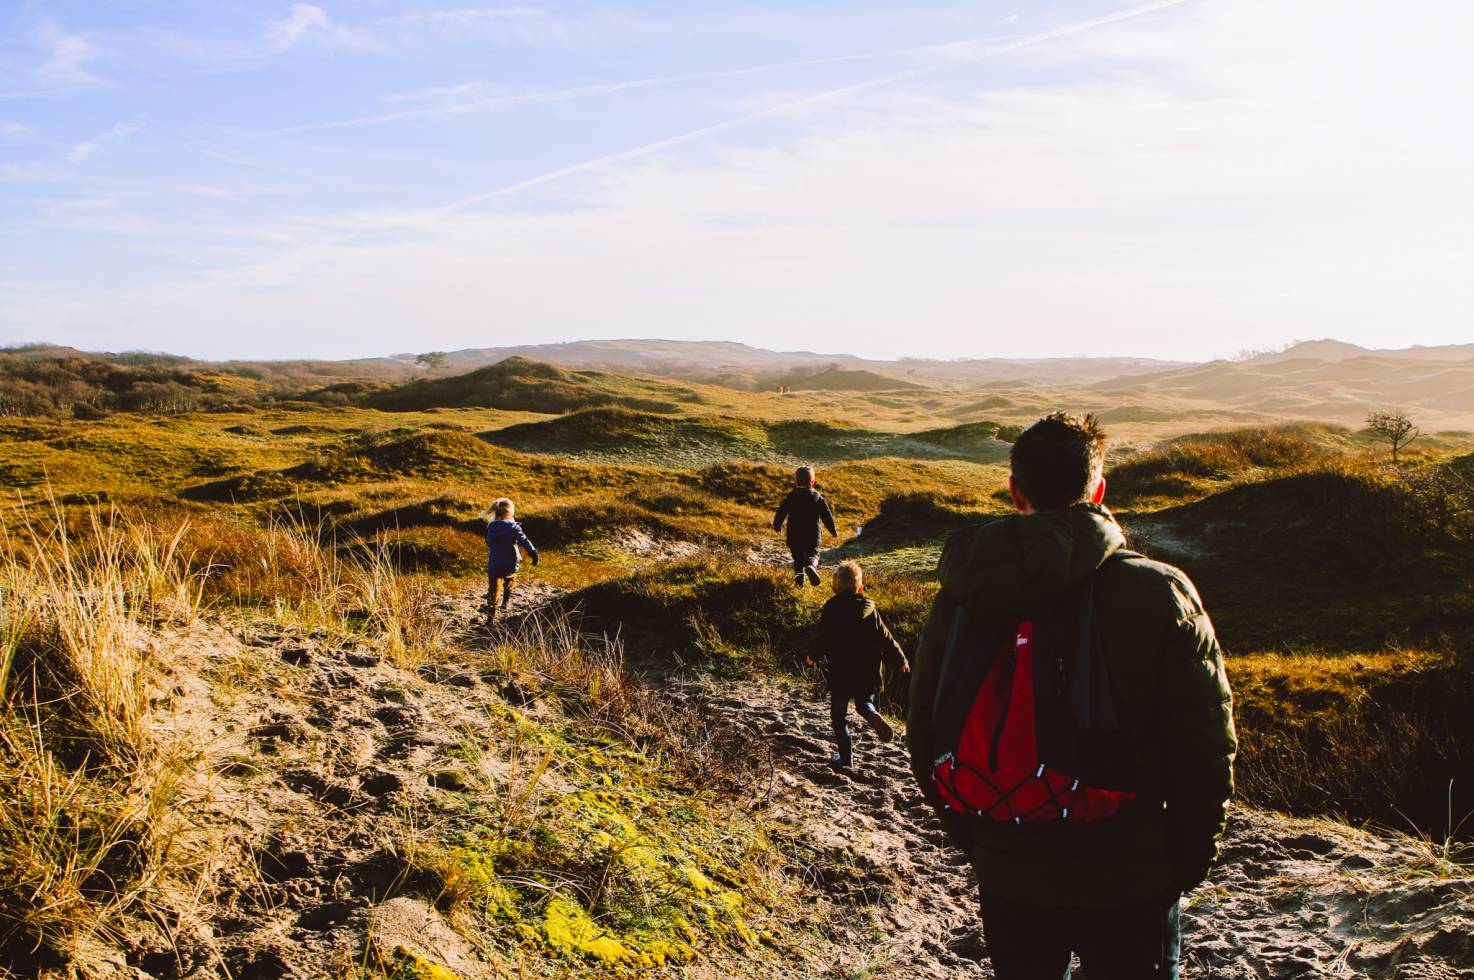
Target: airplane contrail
<point x="607" y="88"/>
<point x="861" y="86"/>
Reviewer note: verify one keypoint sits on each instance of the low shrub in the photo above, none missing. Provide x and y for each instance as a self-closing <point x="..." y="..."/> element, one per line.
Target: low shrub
<point x="1192" y="464"/>
<point x="701" y="610"/>
<point x="1381" y="737"/>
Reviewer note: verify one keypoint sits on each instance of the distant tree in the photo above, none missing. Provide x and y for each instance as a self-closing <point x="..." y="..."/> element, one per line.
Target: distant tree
<point x="430" y="360"/>
<point x="1395" y="428"/>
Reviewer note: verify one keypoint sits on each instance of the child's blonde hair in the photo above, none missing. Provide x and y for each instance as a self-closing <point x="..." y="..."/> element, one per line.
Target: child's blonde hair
<point x="804" y="476"/>
<point x="500" y="508"/>
<point x="848" y="577"/>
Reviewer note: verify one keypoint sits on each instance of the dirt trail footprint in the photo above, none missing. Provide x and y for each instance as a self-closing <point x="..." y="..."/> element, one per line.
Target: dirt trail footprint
<point x="874" y="828"/>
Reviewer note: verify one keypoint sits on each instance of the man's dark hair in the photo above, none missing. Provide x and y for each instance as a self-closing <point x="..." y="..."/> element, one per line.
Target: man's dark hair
<point x="1055" y="459"/>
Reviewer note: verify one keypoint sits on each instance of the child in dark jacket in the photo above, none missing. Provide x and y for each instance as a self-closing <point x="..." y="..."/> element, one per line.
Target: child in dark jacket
<point x="853" y="645"/>
<point x="503" y="537"/>
<point x="804" y="509"/>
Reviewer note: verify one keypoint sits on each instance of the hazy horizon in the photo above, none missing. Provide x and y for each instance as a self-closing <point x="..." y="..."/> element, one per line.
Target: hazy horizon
<point x="1179" y="180"/>
<point x="777" y="351"/>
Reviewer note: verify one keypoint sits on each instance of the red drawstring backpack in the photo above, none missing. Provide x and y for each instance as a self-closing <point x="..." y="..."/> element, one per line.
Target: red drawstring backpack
<point x="1024" y="725"/>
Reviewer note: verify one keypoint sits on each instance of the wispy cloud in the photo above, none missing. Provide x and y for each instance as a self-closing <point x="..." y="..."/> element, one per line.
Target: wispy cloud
<point x="85" y="149"/>
<point x="481" y="23"/>
<point x="302" y="20"/>
<point x="1215" y="171"/>
<point x="471" y="97"/>
<point x="309" y="23"/>
<point x="12" y="130"/>
<point x="66" y="57"/>
<point x="961" y="52"/>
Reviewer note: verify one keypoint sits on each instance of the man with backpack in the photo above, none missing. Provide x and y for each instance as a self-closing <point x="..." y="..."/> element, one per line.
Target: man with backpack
<point x="1071" y="723"/>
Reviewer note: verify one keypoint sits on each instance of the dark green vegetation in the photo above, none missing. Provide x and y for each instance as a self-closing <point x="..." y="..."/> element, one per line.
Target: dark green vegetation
<point x="44" y="380"/>
<point x="1343" y="590"/>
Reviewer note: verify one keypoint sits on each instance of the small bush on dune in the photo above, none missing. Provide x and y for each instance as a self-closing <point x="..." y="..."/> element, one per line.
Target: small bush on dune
<point x="669" y="611"/>
<point x="451" y="511"/>
<point x="586" y="520"/>
<point x="744" y="484"/>
<point x="663" y="499"/>
<point x="922" y="514"/>
<point x="403" y="452"/>
<point x="430" y="550"/>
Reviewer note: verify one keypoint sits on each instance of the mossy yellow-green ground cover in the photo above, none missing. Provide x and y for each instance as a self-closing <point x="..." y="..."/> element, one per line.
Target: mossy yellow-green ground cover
<point x="624" y="864"/>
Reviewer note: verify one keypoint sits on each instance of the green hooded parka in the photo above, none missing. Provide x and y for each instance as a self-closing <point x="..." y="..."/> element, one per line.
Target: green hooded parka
<point x="1171" y="693"/>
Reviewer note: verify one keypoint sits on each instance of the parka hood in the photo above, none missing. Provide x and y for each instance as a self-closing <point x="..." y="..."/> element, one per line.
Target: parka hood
<point x="1007" y="566"/>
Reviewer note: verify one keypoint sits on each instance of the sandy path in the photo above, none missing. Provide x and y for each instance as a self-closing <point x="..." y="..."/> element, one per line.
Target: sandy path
<point x="919" y="916"/>
<point x="1291" y="898"/>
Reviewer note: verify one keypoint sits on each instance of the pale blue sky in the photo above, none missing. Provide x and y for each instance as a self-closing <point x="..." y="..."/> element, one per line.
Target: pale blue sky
<point x="354" y="177"/>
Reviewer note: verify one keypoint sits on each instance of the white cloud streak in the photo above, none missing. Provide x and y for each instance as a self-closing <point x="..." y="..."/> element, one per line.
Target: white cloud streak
<point x="307" y="23"/>
<point x="84" y="150"/>
<point x="586" y="91"/>
<point x="961" y="52"/>
<point x="66" y="58"/>
<point x="301" y="20"/>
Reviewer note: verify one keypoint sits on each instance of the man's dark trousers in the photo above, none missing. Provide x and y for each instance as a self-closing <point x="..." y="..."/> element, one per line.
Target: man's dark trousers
<point x="839" y="707"/>
<point x="1142" y="941"/>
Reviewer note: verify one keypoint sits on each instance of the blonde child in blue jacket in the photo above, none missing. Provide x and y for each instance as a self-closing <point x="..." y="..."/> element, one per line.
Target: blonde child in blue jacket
<point x="504" y="540"/>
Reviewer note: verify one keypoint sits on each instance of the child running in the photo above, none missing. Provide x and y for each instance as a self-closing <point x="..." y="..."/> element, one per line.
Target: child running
<point x="853" y="645"/>
<point x="503" y="536"/>
<point x="804" y="508"/>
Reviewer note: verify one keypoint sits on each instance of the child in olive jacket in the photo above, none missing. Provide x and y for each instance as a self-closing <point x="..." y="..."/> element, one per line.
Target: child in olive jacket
<point x="854" y="646"/>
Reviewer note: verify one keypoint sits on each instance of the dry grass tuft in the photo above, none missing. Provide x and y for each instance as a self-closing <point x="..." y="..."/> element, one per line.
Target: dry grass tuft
<point x="90" y="823"/>
<point x="548" y="657"/>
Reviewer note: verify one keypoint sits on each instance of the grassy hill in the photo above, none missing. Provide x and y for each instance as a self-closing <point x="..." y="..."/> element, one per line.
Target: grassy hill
<point x="843" y="379"/>
<point x="47" y="380"/>
<point x="1340" y="555"/>
<point x="618" y="434"/>
<point x="1437" y="392"/>
<point x="518" y="384"/>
